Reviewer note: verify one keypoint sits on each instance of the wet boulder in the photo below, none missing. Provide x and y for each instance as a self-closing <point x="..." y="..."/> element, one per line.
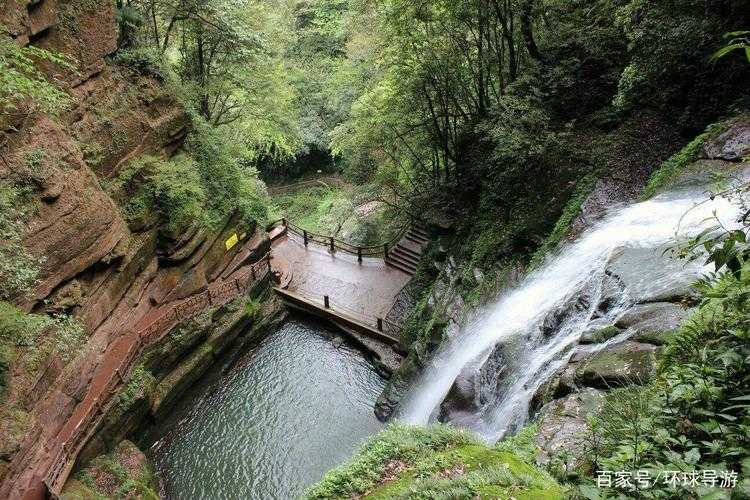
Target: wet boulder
<point x="620" y="365"/>
<point x="653" y="323"/>
<point x="563" y="425"/>
<point x="598" y="334"/>
<point x="648" y="275"/>
<point x="732" y="145"/>
<point x="477" y="384"/>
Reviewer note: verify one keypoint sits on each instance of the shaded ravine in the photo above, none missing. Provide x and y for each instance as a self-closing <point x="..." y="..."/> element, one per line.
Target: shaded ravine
<point x="522" y="339"/>
<point x="293" y="407"/>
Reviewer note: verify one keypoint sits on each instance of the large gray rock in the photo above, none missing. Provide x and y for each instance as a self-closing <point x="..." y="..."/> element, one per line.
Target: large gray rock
<point x="620" y="365"/>
<point x="732" y="145"/>
<point x="653" y="323"/>
<point x="563" y="425"/>
<point x="648" y="275"/>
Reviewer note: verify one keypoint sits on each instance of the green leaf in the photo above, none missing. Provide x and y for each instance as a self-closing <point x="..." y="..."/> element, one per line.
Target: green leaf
<point x="692" y="456"/>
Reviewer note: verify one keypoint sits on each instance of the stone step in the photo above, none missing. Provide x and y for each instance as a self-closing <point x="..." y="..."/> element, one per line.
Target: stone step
<point x="404" y="247"/>
<point x="397" y="252"/>
<point x="419" y="240"/>
<point x="402" y="262"/>
<point x="400" y="267"/>
<point x="418" y="231"/>
<point x="412" y="245"/>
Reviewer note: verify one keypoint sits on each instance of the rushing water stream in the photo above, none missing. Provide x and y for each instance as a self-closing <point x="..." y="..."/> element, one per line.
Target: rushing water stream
<point x="568" y="290"/>
<point x="290" y="409"/>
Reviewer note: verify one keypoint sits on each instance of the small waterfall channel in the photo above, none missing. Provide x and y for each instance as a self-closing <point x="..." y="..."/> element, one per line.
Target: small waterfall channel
<point x="529" y="333"/>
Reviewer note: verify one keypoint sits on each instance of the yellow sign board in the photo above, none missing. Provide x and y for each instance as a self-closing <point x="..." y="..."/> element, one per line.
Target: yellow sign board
<point x="232" y="241"/>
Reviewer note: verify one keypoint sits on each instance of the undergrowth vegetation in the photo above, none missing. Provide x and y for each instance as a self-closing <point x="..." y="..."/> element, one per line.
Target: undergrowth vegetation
<point x="202" y="185"/>
<point x="18" y="269"/>
<point x="435" y="462"/>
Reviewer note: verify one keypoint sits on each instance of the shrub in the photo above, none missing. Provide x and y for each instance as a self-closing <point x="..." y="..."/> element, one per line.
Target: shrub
<point x="58" y="333"/>
<point x="146" y="61"/>
<point x="22" y="83"/>
<point x="19" y="270"/>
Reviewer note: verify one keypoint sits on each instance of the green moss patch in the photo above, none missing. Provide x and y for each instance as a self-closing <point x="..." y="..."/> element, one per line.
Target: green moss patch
<point x="414" y="462"/>
<point x="124" y="473"/>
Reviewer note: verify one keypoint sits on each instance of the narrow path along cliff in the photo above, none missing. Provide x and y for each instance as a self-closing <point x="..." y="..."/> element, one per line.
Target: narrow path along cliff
<point x="49" y="458"/>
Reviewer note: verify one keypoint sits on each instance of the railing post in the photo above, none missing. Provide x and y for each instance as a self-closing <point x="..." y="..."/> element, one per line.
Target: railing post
<point x="359" y="254"/>
<point x="283" y="221"/>
<point x="304" y="235"/>
<point x="385" y="251"/>
<point x="252" y="272"/>
<point x="333" y="245"/>
<point x="380" y="324"/>
<point x="326" y="302"/>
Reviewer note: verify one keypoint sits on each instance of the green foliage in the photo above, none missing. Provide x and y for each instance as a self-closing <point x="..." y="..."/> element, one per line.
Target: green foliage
<point x="201" y="186"/>
<point x="522" y="443"/>
<point x="39" y="335"/>
<point x="669" y="46"/>
<point x="696" y="415"/>
<point x="146" y="61"/>
<point x="437" y="462"/>
<point x="397" y="442"/>
<point x="117" y="474"/>
<point x="18" y="269"/>
<point x="22" y="83"/>
<point x="738" y="40"/>
<point x="140" y="383"/>
<point x="224" y="59"/>
<point x="254" y="309"/>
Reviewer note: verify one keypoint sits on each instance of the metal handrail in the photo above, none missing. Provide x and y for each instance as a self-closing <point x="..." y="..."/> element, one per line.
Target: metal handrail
<point x="334" y="243"/>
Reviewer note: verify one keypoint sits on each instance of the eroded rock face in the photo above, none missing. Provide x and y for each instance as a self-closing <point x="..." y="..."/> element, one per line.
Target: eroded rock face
<point x="732" y="145"/>
<point x="95" y="266"/>
<point x="563" y="426"/>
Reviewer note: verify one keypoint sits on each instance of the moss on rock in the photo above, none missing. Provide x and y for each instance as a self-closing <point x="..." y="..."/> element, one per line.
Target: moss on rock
<point x="414" y="462"/>
<point x="124" y="473"/>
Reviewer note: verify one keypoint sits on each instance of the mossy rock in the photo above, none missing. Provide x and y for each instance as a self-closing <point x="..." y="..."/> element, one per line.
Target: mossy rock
<point x="624" y="364"/>
<point x="599" y="336"/>
<point x="124" y="473"/>
<point x="655" y="337"/>
<point x="472" y="471"/>
<point x="414" y="462"/>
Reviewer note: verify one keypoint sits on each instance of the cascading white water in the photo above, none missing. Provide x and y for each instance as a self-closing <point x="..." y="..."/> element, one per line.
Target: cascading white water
<point x="514" y="321"/>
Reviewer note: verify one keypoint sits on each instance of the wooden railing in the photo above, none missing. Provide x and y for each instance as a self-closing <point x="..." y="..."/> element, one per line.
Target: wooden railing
<point x="334" y="244"/>
<point x="388" y="329"/>
<point x="66" y="453"/>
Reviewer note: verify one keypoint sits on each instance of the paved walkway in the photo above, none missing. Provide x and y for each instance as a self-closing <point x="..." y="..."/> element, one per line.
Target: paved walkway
<point x="368" y="289"/>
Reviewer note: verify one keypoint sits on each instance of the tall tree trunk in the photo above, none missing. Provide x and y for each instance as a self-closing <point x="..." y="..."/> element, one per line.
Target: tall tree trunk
<point x="527" y="30"/>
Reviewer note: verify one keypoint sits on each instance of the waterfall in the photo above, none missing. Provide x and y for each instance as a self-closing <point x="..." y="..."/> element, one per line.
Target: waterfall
<point x="569" y="289"/>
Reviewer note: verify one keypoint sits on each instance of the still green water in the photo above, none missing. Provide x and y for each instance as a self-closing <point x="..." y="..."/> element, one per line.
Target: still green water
<point x="290" y="409"/>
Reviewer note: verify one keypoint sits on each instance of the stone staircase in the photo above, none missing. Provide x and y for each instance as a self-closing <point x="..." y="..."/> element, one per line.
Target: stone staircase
<point x="405" y="255"/>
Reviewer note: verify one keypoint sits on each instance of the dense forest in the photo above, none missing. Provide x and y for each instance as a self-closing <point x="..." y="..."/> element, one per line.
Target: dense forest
<point x="493" y="122"/>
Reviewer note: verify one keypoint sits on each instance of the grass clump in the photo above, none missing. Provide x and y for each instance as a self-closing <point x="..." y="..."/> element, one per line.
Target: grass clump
<point x="436" y="462"/>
